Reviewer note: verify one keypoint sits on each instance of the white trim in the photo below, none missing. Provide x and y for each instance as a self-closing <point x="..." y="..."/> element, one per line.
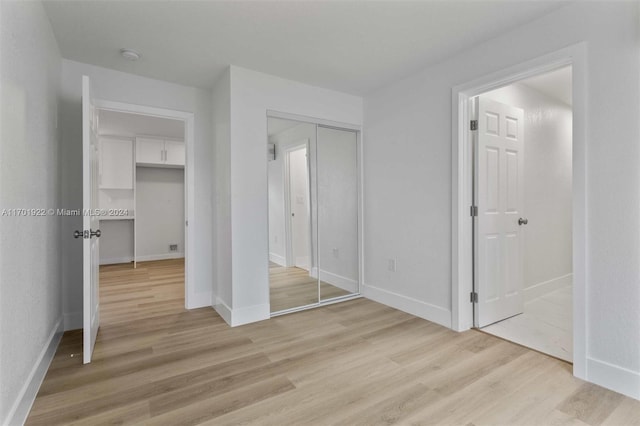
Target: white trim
<point x="344" y="283"/>
<point x="116" y="260"/>
<point x="201" y="300"/>
<point x="223" y="310"/>
<point x="73" y="321"/>
<point x="317" y="121"/>
<point x="249" y="314"/>
<point x="407" y="304"/>
<point x="546" y="287"/>
<point x="276" y="258"/>
<point x="610" y="376"/>
<point x="189" y="193"/>
<point x="326" y="302"/>
<point x="164" y="256"/>
<point x="241" y="316"/>
<point x="24" y="401"/>
<point x="461" y="309"/>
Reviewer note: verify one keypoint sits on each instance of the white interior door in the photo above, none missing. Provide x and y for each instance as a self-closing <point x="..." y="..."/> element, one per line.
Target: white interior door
<point x="299" y="193"/>
<point x="499" y="198"/>
<point x="90" y="223"/>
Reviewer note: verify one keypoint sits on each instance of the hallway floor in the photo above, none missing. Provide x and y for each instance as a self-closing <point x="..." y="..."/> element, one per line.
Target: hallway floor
<point x="545" y="325"/>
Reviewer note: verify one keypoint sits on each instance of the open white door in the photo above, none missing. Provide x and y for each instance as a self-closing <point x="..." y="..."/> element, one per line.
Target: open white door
<point x="90" y="223"/>
<point x="499" y="198"/>
<point x="299" y="202"/>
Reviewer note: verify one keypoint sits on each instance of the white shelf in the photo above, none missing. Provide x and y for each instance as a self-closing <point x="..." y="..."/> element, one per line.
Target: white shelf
<point x="117" y="218"/>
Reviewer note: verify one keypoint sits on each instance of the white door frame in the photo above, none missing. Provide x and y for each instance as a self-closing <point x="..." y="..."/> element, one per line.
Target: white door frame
<point x="190" y="300"/>
<point x="286" y="179"/>
<point x="462" y="187"/>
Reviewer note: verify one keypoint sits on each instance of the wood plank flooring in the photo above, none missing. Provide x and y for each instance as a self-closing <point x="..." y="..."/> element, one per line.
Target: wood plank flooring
<point x="353" y="363"/>
<point x="293" y="287"/>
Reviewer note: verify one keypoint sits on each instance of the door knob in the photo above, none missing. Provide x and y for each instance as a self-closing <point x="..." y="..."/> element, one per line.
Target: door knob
<point x="78" y="234"/>
<point x="96" y="233"/>
<point x="523" y="221"/>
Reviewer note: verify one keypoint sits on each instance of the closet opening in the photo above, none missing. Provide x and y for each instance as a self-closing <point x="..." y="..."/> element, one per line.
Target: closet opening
<point x="142" y="192"/>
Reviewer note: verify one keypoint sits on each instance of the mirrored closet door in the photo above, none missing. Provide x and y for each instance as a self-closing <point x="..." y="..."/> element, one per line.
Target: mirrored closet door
<point x="337" y="164"/>
<point x="313" y="214"/>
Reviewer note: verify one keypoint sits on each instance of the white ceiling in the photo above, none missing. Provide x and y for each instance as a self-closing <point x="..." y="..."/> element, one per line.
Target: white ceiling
<point x="350" y="46"/>
<point x="124" y="124"/>
<point x="556" y="84"/>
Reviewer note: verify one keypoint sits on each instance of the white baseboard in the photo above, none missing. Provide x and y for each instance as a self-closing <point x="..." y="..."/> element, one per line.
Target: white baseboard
<point x="546" y="287"/>
<point x="241" y="316"/>
<point x="276" y="258"/>
<point x="346" y="284"/>
<point x="199" y="300"/>
<point x="163" y="256"/>
<point x="223" y="310"/>
<point x="73" y="320"/>
<point x="408" y="304"/>
<point x="612" y="377"/>
<point x="22" y="405"/>
<point x="249" y="314"/>
<point x="116" y="260"/>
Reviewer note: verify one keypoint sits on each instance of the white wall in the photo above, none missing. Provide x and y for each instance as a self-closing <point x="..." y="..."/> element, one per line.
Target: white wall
<point x="251" y="95"/>
<point x="122" y="87"/>
<point x="159" y="212"/>
<point x="407" y="162"/>
<point x="30" y="281"/>
<point x="116" y="241"/>
<point x="222" y="294"/>
<point x="547" y="187"/>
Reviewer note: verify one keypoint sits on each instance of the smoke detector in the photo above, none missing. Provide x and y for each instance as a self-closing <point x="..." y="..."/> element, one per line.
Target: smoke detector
<point x="130" y="54"/>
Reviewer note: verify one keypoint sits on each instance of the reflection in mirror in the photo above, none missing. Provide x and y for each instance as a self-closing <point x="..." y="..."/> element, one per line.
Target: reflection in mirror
<point x="337" y="176"/>
<point x="291" y="181"/>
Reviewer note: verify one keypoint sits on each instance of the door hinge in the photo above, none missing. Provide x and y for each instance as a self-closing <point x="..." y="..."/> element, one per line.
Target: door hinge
<point x="474" y="125"/>
<point x="473" y="297"/>
<point x="474" y="211"/>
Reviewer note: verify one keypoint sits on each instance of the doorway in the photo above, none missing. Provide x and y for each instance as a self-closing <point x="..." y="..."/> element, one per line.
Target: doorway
<point x="462" y="189"/>
<point x="141" y="190"/>
<point x="523" y="212"/>
<point x="299" y="218"/>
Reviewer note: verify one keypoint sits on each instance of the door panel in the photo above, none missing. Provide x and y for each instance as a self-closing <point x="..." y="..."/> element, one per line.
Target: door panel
<point x="149" y="151"/>
<point x="299" y="202"/>
<point x="337" y="171"/>
<point x="499" y="194"/>
<point x="174" y="153"/>
<point x="90" y="223"/>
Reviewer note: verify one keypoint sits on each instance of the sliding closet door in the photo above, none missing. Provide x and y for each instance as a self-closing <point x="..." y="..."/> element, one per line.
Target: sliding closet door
<point x="293" y="280"/>
<point x="337" y="212"/>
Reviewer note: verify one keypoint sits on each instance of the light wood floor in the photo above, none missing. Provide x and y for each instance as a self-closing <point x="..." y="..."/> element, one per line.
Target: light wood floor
<point x="293" y="287"/>
<point x="545" y="325"/>
<point x="354" y="363"/>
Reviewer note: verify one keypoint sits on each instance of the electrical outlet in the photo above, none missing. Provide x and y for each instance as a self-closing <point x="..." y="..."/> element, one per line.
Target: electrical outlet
<point x="275" y="238"/>
<point x="173" y="247"/>
<point x="391" y="265"/>
<point x="336" y="253"/>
